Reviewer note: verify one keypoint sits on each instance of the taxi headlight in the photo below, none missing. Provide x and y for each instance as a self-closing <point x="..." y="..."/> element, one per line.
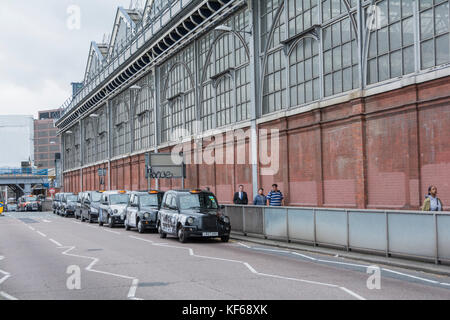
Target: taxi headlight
<point x="115" y="211"/>
<point x="147" y="215"/>
<point x="190" y="220"/>
<point x="226" y="219"/>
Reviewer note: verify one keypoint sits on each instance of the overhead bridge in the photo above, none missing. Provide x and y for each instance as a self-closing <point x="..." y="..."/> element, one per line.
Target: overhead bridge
<point x="23" y="180"/>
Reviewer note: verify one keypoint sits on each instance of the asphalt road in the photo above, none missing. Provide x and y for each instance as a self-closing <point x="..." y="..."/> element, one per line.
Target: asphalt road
<point x="38" y="249"/>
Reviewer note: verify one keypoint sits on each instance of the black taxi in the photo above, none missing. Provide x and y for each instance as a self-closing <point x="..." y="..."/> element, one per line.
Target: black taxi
<point x="192" y="213"/>
<point x="142" y="211"/>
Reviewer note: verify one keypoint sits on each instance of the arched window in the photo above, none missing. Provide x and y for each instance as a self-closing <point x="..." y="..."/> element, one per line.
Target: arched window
<point x="272" y="33"/>
<point x="224" y="56"/>
<point x="102" y="134"/>
<point x="178" y="95"/>
<point x="144" y="115"/>
<point x="340" y="57"/>
<point x="90" y="140"/>
<point x="304" y="72"/>
<point x="121" y="124"/>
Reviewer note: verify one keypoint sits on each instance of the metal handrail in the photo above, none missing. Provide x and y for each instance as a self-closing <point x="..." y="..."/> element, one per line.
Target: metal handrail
<point x="409" y="234"/>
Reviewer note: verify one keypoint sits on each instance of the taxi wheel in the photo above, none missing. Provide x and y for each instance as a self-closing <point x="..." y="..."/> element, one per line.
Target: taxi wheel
<point x="110" y="222"/>
<point x="162" y="235"/>
<point x="182" y="235"/>
<point x="89" y="218"/>
<point x="100" y="222"/>
<point x="140" y="227"/>
<point x="225" y="238"/>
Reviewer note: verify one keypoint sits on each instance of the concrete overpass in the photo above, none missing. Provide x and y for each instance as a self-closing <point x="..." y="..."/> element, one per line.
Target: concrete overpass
<point x="22" y="180"/>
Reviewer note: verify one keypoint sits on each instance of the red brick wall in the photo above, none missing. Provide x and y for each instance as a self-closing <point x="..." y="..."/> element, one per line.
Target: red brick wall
<point x="381" y="152"/>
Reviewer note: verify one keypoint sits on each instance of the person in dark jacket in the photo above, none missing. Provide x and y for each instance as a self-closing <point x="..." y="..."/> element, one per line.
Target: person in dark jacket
<point x="260" y="199"/>
<point x="240" y="197"/>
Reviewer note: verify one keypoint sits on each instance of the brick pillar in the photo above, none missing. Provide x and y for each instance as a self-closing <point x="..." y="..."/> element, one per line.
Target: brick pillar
<point x="284" y="159"/>
<point x="318" y="174"/>
<point x="359" y="138"/>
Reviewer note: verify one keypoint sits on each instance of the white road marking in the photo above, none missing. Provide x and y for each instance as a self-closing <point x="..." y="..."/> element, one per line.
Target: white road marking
<point x="253" y="270"/>
<point x="47" y="221"/>
<point x="304" y="256"/>
<point x="115" y="232"/>
<point x="134" y="285"/>
<point x="56" y="242"/>
<point x="357" y="296"/>
<point x="135" y="281"/>
<point x="343" y="263"/>
<point x="31" y="228"/>
<point x="347" y="264"/>
<point x="271" y="250"/>
<point x="244" y="245"/>
<point x="42" y="234"/>
<point x="7" y="296"/>
<point x="410" y="276"/>
<point x="6" y="276"/>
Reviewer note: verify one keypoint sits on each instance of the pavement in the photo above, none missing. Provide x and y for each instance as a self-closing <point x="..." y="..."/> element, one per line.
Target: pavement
<point x="44" y="256"/>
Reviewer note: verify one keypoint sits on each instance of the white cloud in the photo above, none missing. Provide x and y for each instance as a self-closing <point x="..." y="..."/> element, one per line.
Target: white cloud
<point x="15" y="99"/>
<point x="40" y="56"/>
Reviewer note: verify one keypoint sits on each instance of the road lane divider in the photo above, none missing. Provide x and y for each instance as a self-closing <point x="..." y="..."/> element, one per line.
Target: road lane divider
<point x="56" y="242"/>
<point x="252" y="269"/>
<point x="7" y="296"/>
<point x="41" y="234"/>
<point x="135" y="282"/>
<point x="6" y="276"/>
<point x="364" y="267"/>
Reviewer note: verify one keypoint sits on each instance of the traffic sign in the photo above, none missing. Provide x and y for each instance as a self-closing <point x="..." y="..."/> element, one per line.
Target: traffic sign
<point x="52" y="191"/>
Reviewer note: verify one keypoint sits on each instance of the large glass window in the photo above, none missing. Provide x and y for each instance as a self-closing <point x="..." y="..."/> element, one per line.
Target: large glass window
<point x="274" y="84"/>
<point x="391" y="48"/>
<point x="102" y="138"/>
<point x="340" y="58"/>
<point x="178" y="94"/>
<point x="90" y="134"/>
<point x="144" y="115"/>
<point x="333" y="8"/>
<point x="225" y="76"/>
<point x="303" y="14"/>
<point x="121" y="124"/>
<point x="434" y="32"/>
<point x="304" y="72"/>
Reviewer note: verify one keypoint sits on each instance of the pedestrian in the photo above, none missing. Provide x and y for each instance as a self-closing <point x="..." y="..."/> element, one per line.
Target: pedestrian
<point x="240" y="197"/>
<point x="275" y="197"/>
<point x="432" y="202"/>
<point x="260" y="199"/>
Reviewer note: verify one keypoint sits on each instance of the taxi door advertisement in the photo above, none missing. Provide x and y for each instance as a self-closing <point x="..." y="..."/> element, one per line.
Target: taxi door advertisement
<point x="1" y="208"/>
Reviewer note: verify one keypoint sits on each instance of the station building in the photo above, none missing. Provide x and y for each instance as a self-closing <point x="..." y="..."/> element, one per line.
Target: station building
<point x="356" y="94"/>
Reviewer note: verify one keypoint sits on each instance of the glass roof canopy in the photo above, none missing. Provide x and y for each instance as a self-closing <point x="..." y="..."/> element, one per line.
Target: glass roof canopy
<point x="155" y="15"/>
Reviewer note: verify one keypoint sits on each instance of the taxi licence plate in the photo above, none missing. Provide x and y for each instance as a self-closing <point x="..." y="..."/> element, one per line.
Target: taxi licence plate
<point x="210" y="234"/>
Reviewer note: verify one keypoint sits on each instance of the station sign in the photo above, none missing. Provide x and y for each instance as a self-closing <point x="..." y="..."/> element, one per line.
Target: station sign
<point x="163" y="166"/>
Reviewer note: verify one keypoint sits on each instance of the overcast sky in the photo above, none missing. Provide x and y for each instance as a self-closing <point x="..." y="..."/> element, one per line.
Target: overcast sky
<point x="40" y="55"/>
